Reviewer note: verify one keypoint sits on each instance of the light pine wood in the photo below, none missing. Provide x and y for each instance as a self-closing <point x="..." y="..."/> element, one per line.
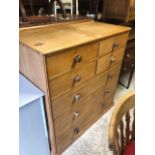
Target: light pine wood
<point x="67" y="81"/>
<point x="66" y="59"/>
<point x="47" y="58"/>
<point x="93" y="108"/>
<point x="67" y="101"/>
<point x="106" y="46"/>
<point x="124" y="105"/>
<point x="112" y="43"/>
<point x="112" y="79"/>
<point x="52" y="39"/>
<point x="121" y="40"/>
<point x="103" y="63"/>
<point x="32" y="66"/>
<point x="109" y="60"/>
<point x="116" y="56"/>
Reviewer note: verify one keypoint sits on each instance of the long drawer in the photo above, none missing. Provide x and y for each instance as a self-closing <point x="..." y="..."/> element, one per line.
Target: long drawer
<point x="71" y="59"/>
<point x="91" y="109"/>
<point x="64" y="83"/>
<point x="76" y="96"/>
<point x="79" y="113"/>
<point x="95" y="109"/>
<point x="76" y="119"/>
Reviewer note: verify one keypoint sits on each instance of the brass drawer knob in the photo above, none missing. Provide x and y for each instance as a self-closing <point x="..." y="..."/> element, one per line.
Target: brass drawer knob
<point x="76" y="130"/>
<point x="77" y="78"/>
<point x="77" y="97"/>
<point x="77" y="59"/>
<point x="107" y="91"/>
<point x="76" y="114"/>
<point x="110" y="76"/>
<point x="115" y="45"/>
<point x="112" y="60"/>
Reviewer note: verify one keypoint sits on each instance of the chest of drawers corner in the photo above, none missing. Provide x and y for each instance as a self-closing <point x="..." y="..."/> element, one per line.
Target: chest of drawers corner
<point x="77" y="69"/>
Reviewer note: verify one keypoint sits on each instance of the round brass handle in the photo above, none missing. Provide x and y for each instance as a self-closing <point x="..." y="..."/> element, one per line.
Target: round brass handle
<point x="112" y="60"/>
<point x="77" y="97"/>
<point x="115" y="45"/>
<point x="76" y="130"/>
<point x="107" y="91"/>
<point x="77" y="59"/>
<point x="76" y="114"/>
<point x="77" y="78"/>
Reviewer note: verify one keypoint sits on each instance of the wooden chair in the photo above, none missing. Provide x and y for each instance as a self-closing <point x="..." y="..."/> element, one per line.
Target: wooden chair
<point x="122" y="124"/>
<point x="68" y="5"/>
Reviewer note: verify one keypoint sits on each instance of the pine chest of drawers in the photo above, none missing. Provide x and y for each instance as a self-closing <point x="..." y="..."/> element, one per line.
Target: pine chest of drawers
<point x="77" y="66"/>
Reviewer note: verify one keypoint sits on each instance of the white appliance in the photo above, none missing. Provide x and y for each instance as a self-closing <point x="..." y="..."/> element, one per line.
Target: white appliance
<point x="33" y="135"/>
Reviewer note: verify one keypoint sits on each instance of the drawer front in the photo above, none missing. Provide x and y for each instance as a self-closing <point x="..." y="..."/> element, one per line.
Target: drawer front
<point x="117" y="56"/>
<point x="92" y="111"/>
<point x="82" y="111"/>
<point x="110" y="60"/>
<point x="106" y="46"/>
<point x="112" y="43"/>
<point x="120" y="41"/>
<point x="68" y="60"/>
<point x="77" y="96"/>
<point x="112" y="80"/>
<point x="64" y="83"/>
<point x="103" y="63"/>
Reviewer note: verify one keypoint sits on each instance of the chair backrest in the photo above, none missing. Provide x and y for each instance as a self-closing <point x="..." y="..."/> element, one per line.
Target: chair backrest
<point x="122" y="124"/>
<point x="68" y="4"/>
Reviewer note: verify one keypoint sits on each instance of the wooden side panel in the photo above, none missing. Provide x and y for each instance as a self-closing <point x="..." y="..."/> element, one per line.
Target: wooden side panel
<point x="31" y="66"/>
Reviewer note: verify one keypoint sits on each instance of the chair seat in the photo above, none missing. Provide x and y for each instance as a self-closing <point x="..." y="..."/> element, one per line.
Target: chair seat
<point x="130" y="148"/>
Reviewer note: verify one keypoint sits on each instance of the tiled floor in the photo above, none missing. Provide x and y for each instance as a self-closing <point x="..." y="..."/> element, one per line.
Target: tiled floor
<point x="95" y="140"/>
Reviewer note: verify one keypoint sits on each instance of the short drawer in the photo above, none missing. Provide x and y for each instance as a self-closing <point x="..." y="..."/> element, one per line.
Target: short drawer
<point x="106" y="46"/>
<point x="68" y="81"/>
<point x="117" y="56"/>
<point x="76" y="96"/>
<point x="68" y="60"/>
<point x="113" y="43"/>
<point x="109" y="60"/>
<point x="120" y="41"/>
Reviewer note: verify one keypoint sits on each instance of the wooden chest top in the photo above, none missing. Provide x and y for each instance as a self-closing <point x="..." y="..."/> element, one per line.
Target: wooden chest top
<point x="53" y="38"/>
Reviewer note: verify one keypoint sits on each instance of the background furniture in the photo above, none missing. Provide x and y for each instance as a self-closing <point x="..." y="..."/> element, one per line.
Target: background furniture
<point x="33" y="135"/>
<point x="36" y="11"/>
<point x="119" y="9"/>
<point x="78" y="71"/>
<point x="68" y="5"/>
<point x="122" y="124"/>
<point x="39" y="12"/>
<point x="122" y="12"/>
